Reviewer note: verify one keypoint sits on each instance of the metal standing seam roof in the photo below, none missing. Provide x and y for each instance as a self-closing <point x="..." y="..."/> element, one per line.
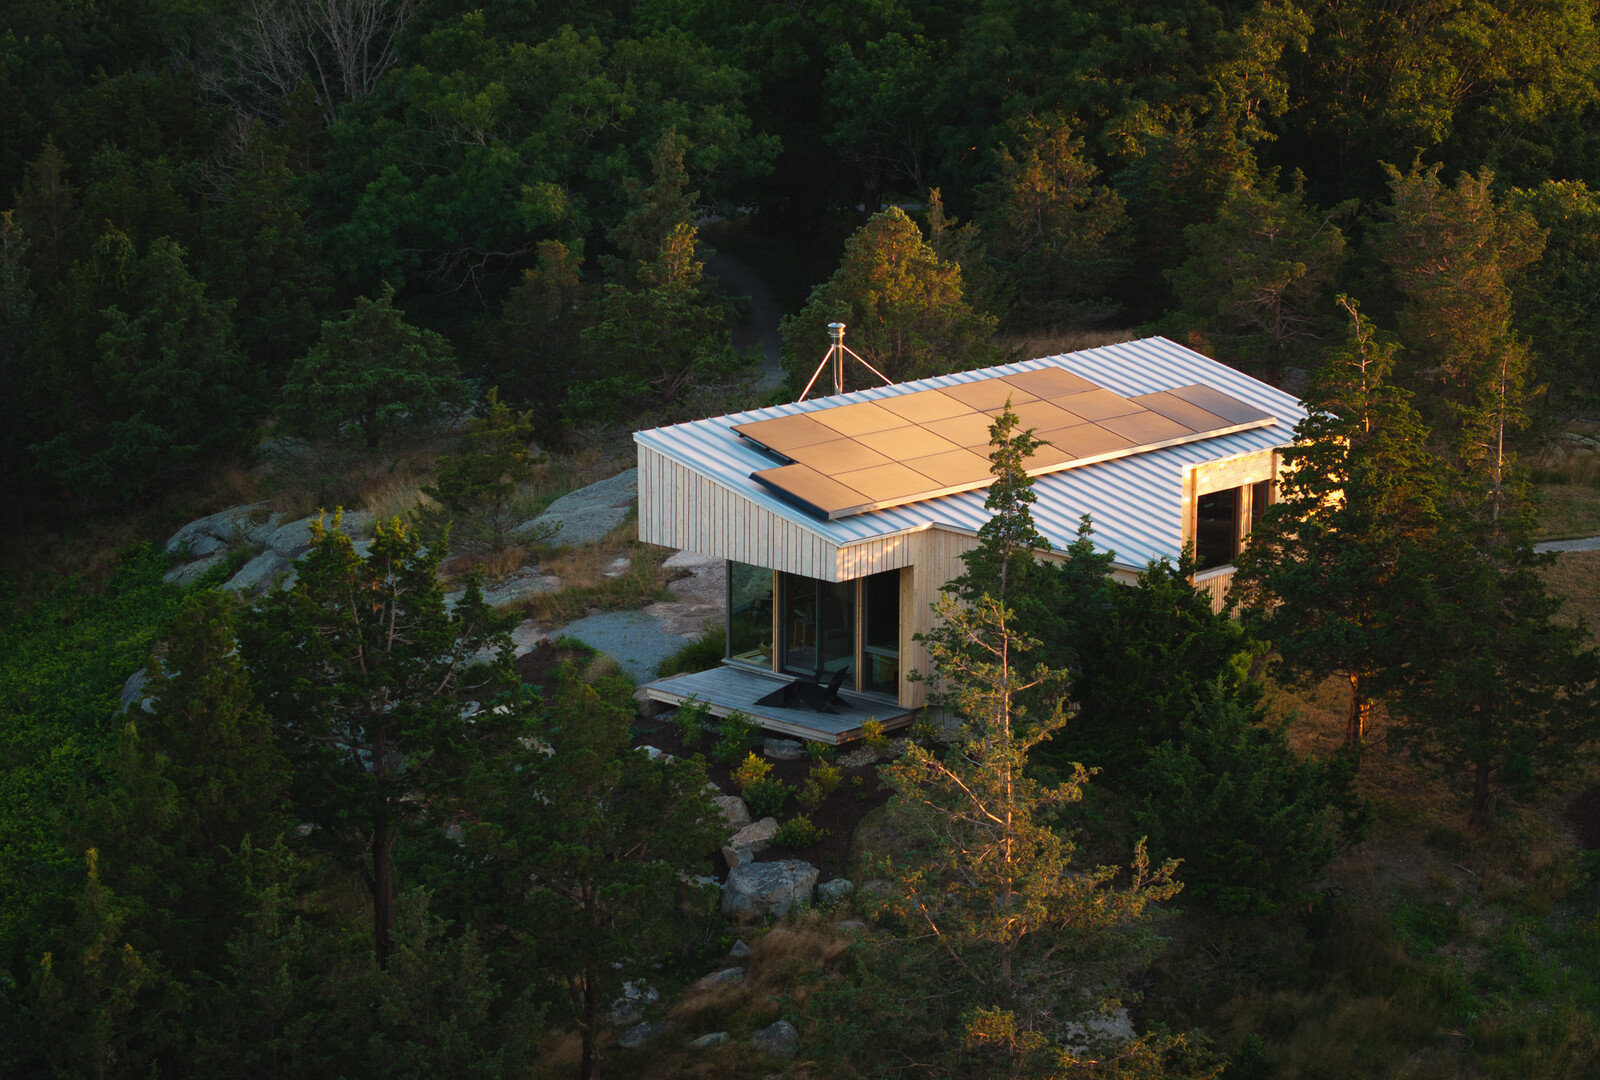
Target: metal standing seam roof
<point x="1134" y="501"/>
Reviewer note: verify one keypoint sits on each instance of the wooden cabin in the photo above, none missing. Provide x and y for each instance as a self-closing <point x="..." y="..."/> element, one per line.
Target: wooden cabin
<point x="841" y="517"/>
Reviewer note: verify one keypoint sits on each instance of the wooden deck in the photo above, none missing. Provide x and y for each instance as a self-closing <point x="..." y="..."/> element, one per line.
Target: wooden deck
<point x="727" y="689"/>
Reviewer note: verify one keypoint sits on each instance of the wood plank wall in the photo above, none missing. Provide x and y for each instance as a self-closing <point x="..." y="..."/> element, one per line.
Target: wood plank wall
<point x="679" y="508"/>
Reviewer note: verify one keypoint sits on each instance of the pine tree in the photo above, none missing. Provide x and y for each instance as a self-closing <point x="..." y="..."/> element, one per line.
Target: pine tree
<point x="904" y="308"/>
<point x="1498" y="689"/>
<point x="476" y="484"/>
<point x="1256" y="275"/>
<point x="360" y="665"/>
<point x="1330" y="572"/>
<point x="374" y="372"/>
<point x="584" y="845"/>
<point x="989" y="885"/>
<point x="1052" y="228"/>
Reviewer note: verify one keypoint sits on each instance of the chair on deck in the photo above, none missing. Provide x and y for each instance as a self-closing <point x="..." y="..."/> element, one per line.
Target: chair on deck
<point x="814" y="694"/>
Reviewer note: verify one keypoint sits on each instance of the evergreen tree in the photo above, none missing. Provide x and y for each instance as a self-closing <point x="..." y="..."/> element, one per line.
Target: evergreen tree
<point x="360" y="665"/>
<point x="1497" y="688"/>
<point x="1029" y="939"/>
<point x="260" y="252"/>
<point x="1255" y="278"/>
<point x="655" y="340"/>
<point x="1139" y="655"/>
<point x="476" y="484"/>
<point x="1004" y="558"/>
<point x="1330" y="572"/>
<point x="988" y="883"/>
<point x="534" y="351"/>
<point x="106" y="1009"/>
<point x="1250" y="822"/>
<point x="1052" y="229"/>
<point x="373" y="371"/>
<point x="144" y="376"/>
<point x="583" y="844"/>
<point x="903" y="306"/>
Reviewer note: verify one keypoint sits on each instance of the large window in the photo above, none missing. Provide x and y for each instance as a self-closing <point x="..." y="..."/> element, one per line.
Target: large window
<point x="815" y="629"/>
<point x="818" y="626"/>
<point x="1224" y="518"/>
<point x="750" y="614"/>
<point x="880" y="633"/>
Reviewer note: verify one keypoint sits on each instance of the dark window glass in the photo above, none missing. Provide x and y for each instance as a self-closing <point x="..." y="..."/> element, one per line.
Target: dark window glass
<point x="818" y="626"/>
<point x="1216" y="528"/>
<point x="1260" y="499"/>
<point x="750" y="614"/>
<point x="880" y="621"/>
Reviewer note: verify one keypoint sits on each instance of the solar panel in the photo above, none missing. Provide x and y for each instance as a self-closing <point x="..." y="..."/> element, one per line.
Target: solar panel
<point x="868" y="455"/>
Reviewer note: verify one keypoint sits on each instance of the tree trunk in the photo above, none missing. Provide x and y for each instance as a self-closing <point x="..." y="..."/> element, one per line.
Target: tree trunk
<point x="382" y="891"/>
<point x="589" y="1068"/>
<point x="1357" y="719"/>
<point x="1480" y="794"/>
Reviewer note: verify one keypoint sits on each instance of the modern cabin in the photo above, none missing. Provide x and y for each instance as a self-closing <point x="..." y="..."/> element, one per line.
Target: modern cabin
<point x="841" y="517"/>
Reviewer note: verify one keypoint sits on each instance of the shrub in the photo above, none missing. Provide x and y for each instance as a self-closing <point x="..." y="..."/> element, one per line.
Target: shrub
<point x="872" y="734"/>
<point x="823" y="781"/>
<point x="700" y="654"/>
<point x="752" y="771"/>
<point x="798" y="832"/>
<point x="734" y="735"/>
<point x="820" y="751"/>
<point x="766" y="797"/>
<point x="690" y="720"/>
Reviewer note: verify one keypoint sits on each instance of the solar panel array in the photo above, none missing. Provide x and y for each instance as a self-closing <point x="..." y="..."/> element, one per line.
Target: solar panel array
<point x="848" y="459"/>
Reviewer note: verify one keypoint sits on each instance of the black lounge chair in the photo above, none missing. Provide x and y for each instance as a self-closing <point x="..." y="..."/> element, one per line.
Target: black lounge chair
<point x="813" y="693"/>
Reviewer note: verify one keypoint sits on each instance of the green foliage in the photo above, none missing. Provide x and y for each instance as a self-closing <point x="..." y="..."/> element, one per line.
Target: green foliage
<point x="63" y="660"/>
<point x="1451" y="251"/>
<point x="101" y="1000"/>
<point x="1053" y="231"/>
<point x="360" y="665"/>
<point x="820" y="751"/>
<point x="823" y="780"/>
<point x="735" y="734"/>
<point x="373" y="372"/>
<point x="986" y="876"/>
<point x="1550" y="297"/>
<point x="476" y="484"/>
<point x="1328" y="574"/>
<point x="765" y="797"/>
<point x="142" y="377"/>
<point x="1000" y="564"/>
<point x="1140" y="656"/>
<point x="799" y="833"/>
<point x="581" y="841"/>
<point x="530" y="350"/>
<point x="690" y="719"/>
<point x="903" y="307"/>
<point x="1252" y="824"/>
<point x="195" y="773"/>
<point x="1498" y="688"/>
<point x="872" y="735"/>
<point x="751" y="771"/>
<point x="1256" y="276"/>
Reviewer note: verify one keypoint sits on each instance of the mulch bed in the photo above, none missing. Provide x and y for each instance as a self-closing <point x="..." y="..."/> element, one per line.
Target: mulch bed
<point x="839" y="813"/>
<point x="1584" y="816"/>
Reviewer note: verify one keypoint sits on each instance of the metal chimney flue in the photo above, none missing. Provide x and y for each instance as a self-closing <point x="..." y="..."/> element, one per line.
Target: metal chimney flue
<point x="836" y="353"/>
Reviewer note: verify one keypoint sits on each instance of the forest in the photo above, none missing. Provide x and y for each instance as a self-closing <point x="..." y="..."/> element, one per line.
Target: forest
<point x="436" y="261"/>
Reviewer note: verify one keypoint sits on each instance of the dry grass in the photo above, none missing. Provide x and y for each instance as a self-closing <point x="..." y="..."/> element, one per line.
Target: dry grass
<point x="1053" y="342"/>
<point x="1568" y="510"/>
<point x="585" y="586"/>
<point x="1575" y="577"/>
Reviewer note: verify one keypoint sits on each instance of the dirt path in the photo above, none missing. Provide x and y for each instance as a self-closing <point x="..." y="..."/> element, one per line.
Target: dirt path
<point x="1587" y="543"/>
<point x="760" y="326"/>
